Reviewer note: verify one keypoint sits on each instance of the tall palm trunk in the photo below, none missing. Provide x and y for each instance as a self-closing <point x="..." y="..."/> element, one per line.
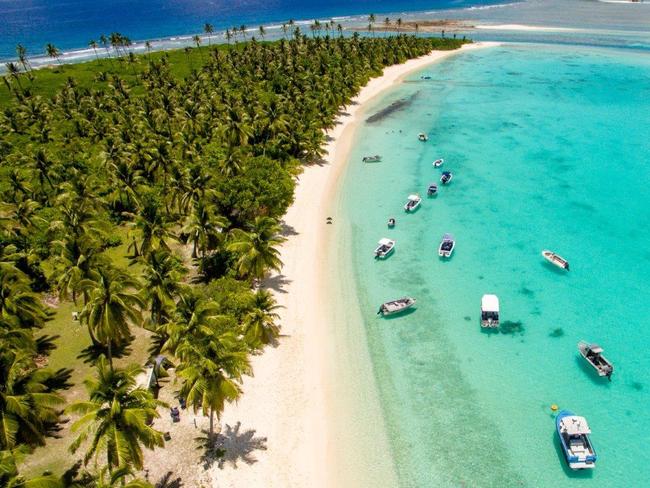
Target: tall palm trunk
<point x="211" y="435"/>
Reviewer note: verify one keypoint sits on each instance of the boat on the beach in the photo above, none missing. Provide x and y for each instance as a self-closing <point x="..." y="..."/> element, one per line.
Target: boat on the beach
<point x="438" y="162"/>
<point x="391" y="222"/>
<point x="372" y="159"/>
<point x="385" y="247"/>
<point x="593" y="354"/>
<point x="574" y="439"/>
<point x="490" y="311"/>
<point x="556" y="259"/>
<point x="423" y="137"/>
<point x="413" y="202"/>
<point x="446" y="177"/>
<point x="396" y="306"/>
<point x="447" y="245"/>
<point x="432" y="189"/>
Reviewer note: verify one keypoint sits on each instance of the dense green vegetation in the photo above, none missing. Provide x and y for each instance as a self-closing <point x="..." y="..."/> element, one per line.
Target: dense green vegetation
<point x="146" y="191"/>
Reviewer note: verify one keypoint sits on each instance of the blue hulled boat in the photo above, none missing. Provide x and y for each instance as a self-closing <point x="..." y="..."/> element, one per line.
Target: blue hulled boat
<point x="574" y="439"/>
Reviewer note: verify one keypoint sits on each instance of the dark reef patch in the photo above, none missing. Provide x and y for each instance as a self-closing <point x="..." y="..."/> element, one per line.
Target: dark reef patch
<point x="510" y="327"/>
<point x="558" y="332"/>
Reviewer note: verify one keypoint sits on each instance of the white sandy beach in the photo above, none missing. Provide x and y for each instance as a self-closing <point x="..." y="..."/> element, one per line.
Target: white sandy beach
<point x="290" y="404"/>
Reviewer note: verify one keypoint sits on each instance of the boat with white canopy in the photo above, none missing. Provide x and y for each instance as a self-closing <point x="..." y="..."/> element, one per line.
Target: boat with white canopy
<point x="413" y="203"/>
<point x="438" y="162"/>
<point x="385" y="247"/>
<point x="574" y="438"/>
<point x="490" y="311"/>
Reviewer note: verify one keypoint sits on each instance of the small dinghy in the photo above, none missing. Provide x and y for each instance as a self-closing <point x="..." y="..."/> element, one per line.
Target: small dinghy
<point x="447" y="245"/>
<point x="432" y="189"/>
<point x="391" y="222"/>
<point x="446" y="177"/>
<point x="423" y="137"/>
<point x="490" y="311"/>
<point x="372" y="159"/>
<point x="396" y="306"/>
<point x="593" y="354"/>
<point x="556" y="259"/>
<point x="413" y="203"/>
<point x="438" y="162"/>
<point x="574" y="439"/>
<point x="384" y="248"/>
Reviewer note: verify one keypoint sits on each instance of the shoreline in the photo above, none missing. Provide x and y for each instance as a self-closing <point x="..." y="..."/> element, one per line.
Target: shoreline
<point x="292" y="400"/>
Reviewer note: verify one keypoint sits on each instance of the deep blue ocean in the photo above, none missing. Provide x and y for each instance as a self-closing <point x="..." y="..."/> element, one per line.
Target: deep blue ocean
<point x="70" y="24"/>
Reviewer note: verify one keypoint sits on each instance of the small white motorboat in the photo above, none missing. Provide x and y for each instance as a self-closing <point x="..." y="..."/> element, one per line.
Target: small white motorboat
<point x="432" y="189"/>
<point x="391" y="222"/>
<point x="574" y="432"/>
<point x="423" y="137"/>
<point x="556" y="259"/>
<point x="396" y="306"/>
<point x="446" y="177"/>
<point x="413" y="203"/>
<point x="447" y="245"/>
<point x="490" y="311"/>
<point x="372" y="159"/>
<point x="593" y="354"/>
<point x="384" y="249"/>
<point x="438" y="162"/>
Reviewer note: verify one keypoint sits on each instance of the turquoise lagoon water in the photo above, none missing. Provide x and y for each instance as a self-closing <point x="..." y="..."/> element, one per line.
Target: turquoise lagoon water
<point x="549" y="149"/>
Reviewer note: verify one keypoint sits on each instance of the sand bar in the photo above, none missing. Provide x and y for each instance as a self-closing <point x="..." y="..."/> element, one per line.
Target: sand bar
<point x="288" y="406"/>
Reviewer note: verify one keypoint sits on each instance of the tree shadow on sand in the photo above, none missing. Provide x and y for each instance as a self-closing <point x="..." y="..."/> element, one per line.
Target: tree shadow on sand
<point x="276" y="283"/>
<point x="167" y="481"/>
<point x="233" y="446"/>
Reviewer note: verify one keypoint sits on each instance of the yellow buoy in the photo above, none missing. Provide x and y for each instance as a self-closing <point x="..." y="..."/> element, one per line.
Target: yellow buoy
<point x="554" y="407"/>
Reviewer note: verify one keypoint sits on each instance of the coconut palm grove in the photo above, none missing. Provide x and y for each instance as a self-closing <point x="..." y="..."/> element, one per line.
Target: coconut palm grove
<point x="141" y="206"/>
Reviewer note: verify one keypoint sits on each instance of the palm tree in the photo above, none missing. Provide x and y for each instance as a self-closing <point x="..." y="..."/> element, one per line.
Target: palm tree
<point x="386" y="24"/>
<point x="208" y="29"/>
<point x="147" y="46"/>
<point x="256" y="249"/>
<point x="53" y="52"/>
<point x="19" y="305"/>
<point x="228" y="36"/>
<point x="153" y="226"/>
<point x="14" y="72"/>
<point x="399" y="25"/>
<point x="203" y="227"/>
<point x="197" y="40"/>
<point x="21" y="52"/>
<point x="27" y="404"/>
<point x="114" y="420"/>
<point x="242" y="30"/>
<point x="371" y="21"/>
<point x="112" y="304"/>
<point x="262" y="31"/>
<point x="260" y="322"/>
<point x="211" y="369"/>
<point x="161" y="282"/>
<point x="93" y="44"/>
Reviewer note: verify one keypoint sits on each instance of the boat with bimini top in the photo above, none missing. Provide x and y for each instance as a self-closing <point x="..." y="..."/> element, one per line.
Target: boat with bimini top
<point x="384" y="248"/>
<point x="574" y="431"/>
<point x="446" y="177"/>
<point x="432" y="189"/>
<point x="438" y="162"/>
<point x="489" y="311"/>
<point x="413" y="202"/>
